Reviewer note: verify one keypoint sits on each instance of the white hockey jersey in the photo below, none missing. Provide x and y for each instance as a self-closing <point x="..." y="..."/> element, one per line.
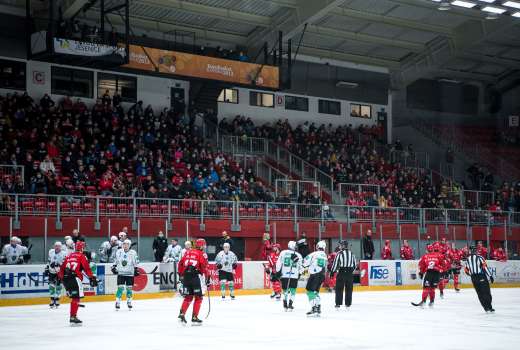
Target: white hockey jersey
<point x="289" y="264"/>
<point x="14" y="255"/>
<point x="55" y="260"/>
<point x="172" y="254"/>
<point x="183" y="252"/>
<point x="226" y="260"/>
<point x="107" y="252"/>
<point x="316" y="262"/>
<point x="126" y="262"/>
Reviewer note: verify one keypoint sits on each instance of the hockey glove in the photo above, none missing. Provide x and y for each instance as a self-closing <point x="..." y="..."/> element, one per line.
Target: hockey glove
<point x="295" y="258"/>
<point x="114" y="270"/>
<point x="93" y="282"/>
<point x="234" y="266"/>
<point x="26" y="257"/>
<point x="219" y="266"/>
<point x="267" y="271"/>
<point x="3" y="260"/>
<point x="136" y="272"/>
<point x="491" y="279"/>
<point x="53" y="265"/>
<point x="46" y="272"/>
<point x="208" y="281"/>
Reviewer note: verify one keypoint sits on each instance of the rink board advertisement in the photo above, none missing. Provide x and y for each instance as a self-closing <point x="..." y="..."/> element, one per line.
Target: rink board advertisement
<point x="381" y="273"/>
<point x="238" y="277"/>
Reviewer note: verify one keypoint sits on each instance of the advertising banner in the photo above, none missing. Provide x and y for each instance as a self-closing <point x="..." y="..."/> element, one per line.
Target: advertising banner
<point x="19" y="281"/>
<point x="238" y="277"/>
<point x="80" y="48"/>
<point x="410" y="272"/>
<point x="382" y="273"/>
<point x="196" y="66"/>
<point x="363" y="273"/>
<point x="505" y="272"/>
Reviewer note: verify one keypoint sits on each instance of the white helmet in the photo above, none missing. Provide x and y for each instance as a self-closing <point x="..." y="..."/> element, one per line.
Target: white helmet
<point x="57" y="244"/>
<point x="291" y="245"/>
<point x="122" y="235"/>
<point x="321" y="245"/>
<point x="187" y="244"/>
<point x="69" y="243"/>
<point x="127" y="241"/>
<point x="66" y="238"/>
<point x="113" y="239"/>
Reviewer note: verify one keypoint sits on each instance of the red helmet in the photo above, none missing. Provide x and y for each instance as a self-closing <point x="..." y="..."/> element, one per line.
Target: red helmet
<point x="277" y="246"/>
<point x="80" y="246"/>
<point x="200" y="243"/>
<point x="429" y="248"/>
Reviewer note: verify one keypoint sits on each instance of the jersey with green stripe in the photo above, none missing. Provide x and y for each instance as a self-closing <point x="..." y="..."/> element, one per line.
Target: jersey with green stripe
<point x="126" y="262"/>
<point x="289" y="264"/>
<point x="316" y="262"/>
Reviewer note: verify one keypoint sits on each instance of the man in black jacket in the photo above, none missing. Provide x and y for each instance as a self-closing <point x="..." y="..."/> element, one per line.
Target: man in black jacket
<point x="368" y="246"/>
<point x="159" y="246"/>
<point x="303" y="245"/>
<point x="225" y="239"/>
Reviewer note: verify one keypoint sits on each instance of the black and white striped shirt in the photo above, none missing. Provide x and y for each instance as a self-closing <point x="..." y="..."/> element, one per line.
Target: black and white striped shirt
<point x="477" y="265"/>
<point x="344" y="259"/>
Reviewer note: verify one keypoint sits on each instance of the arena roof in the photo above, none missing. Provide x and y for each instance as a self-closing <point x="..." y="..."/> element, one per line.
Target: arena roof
<point x="411" y="38"/>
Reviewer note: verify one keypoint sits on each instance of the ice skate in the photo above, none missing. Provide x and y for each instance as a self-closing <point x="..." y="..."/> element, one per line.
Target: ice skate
<point x="118" y="305"/>
<point x="75" y="322"/>
<point x="129" y="304"/>
<point x="182" y="319"/>
<point x="290" y="306"/>
<point x="430" y="304"/>
<point x="313" y="312"/>
<point x="195" y="321"/>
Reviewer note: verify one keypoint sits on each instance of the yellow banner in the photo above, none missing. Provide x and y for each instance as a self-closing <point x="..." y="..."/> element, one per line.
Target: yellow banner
<point x="196" y="66"/>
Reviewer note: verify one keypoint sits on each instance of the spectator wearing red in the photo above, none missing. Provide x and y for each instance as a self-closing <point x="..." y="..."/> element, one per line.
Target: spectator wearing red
<point x="106" y="185"/>
<point x="499" y="255"/>
<point x="386" y="254"/>
<point x="267" y="246"/>
<point x="481" y="250"/>
<point x="406" y="251"/>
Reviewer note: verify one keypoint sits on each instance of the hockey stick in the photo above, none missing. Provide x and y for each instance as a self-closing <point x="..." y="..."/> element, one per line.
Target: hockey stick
<point x="209" y="303"/>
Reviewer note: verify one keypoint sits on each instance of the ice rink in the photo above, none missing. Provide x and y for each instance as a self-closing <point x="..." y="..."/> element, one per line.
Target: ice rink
<point x="377" y="320"/>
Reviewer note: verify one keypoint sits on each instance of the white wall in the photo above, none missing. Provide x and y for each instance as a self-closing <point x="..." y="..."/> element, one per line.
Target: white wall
<point x="150" y="89"/>
<point x="262" y="115"/>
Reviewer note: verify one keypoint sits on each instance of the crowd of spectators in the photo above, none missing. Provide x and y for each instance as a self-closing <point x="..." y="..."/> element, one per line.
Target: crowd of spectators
<point x="67" y="148"/>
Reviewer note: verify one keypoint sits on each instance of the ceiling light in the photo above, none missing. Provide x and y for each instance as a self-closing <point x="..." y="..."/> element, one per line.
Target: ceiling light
<point x="512" y="4"/>
<point x="516" y="14"/>
<point x="488" y="1"/>
<point x="465" y="4"/>
<point x="492" y="9"/>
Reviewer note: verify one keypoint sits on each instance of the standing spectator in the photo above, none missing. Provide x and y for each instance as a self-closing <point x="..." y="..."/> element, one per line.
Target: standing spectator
<point x="368" y="246"/>
<point x="406" y="251"/>
<point x="76" y="236"/>
<point x="267" y="246"/>
<point x="303" y="246"/>
<point x="159" y="246"/>
<point x="225" y="239"/>
<point x="386" y="253"/>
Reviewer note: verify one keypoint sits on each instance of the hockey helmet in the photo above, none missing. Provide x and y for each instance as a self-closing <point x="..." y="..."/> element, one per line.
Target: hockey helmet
<point x="473" y="249"/>
<point x="187" y="244"/>
<point x="321" y="245"/>
<point x="200" y="243"/>
<point x="291" y="245"/>
<point x="226" y="246"/>
<point x="80" y="245"/>
<point x="429" y="248"/>
<point x="113" y="239"/>
<point x="343" y="244"/>
<point x="127" y="242"/>
<point x="277" y="246"/>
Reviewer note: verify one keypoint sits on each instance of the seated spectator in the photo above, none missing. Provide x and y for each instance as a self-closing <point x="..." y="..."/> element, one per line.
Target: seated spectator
<point x="47" y="165"/>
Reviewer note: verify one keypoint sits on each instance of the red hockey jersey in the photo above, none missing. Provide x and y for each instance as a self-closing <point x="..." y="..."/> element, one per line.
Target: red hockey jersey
<point x="406" y="253"/>
<point x="77" y="262"/>
<point x="431" y="261"/>
<point x="386" y="254"/>
<point x="272" y="259"/>
<point x="195" y="258"/>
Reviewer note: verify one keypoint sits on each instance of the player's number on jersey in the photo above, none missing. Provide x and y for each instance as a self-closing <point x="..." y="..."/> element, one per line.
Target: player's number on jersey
<point x="321" y="262"/>
<point x="72" y="265"/>
<point x="287" y="261"/>
<point x="431" y="265"/>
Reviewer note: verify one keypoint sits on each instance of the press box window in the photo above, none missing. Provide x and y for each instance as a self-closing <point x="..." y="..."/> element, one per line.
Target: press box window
<point x="296" y="103"/>
<point x="261" y="99"/>
<point x="124" y="85"/>
<point x="12" y="75"/>
<point x="72" y="82"/>
<point x="329" y="107"/>
<point x="360" y="111"/>
<point x="228" y="96"/>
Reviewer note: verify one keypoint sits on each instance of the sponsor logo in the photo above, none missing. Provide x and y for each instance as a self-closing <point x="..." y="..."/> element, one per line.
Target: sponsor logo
<point x="218" y="69"/>
<point x="23" y="282"/>
<point x="379" y="272"/>
<point x="140" y="281"/>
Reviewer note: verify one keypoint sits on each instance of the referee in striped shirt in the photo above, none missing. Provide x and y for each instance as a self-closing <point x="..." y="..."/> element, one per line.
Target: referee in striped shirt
<point x="476" y="267"/>
<point x="344" y="264"/>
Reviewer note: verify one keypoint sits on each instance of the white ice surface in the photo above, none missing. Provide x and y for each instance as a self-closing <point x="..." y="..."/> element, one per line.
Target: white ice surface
<point x="377" y="320"/>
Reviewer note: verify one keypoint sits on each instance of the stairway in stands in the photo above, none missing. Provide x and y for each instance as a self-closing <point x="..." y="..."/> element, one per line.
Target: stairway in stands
<point x="205" y="94"/>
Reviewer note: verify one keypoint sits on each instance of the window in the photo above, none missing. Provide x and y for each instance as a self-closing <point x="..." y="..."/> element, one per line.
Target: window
<point x="360" y="111"/>
<point x="297" y="103"/>
<point x="329" y="107"/>
<point x="261" y="99"/>
<point x="124" y="85"/>
<point x="12" y="75"/>
<point x="72" y="82"/>
<point x="228" y="96"/>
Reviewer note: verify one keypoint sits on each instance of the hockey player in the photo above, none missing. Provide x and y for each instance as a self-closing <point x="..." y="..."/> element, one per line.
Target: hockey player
<point x="108" y="249"/>
<point x="187" y="248"/>
<point x="289" y="267"/>
<point x="55" y="260"/>
<point x="316" y="263"/>
<point x="429" y="270"/>
<point x="456" y="256"/>
<point x="173" y="252"/>
<point x="193" y="269"/>
<point x="125" y="267"/>
<point x="13" y="253"/>
<point x="499" y="255"/>
<point x="330" y="279"/>
<point x="226" y="262"/>
<point x="406" y="251"/>
<point x="69" y="245"/>
<point x="386" y="254"/>
<point x="270" y="269"/>
<point x="123" y="235"/>
<point x="445" y="268"/>
<point x="71" y="274"/>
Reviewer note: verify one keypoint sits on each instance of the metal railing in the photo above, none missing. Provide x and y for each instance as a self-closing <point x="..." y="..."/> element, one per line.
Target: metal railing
<point x="17" y="205"/>
<point x="12" y="173"/>
<point x="358" y="191"/>
<point x="477" y="199"/>
<point x="294" y="188"/>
